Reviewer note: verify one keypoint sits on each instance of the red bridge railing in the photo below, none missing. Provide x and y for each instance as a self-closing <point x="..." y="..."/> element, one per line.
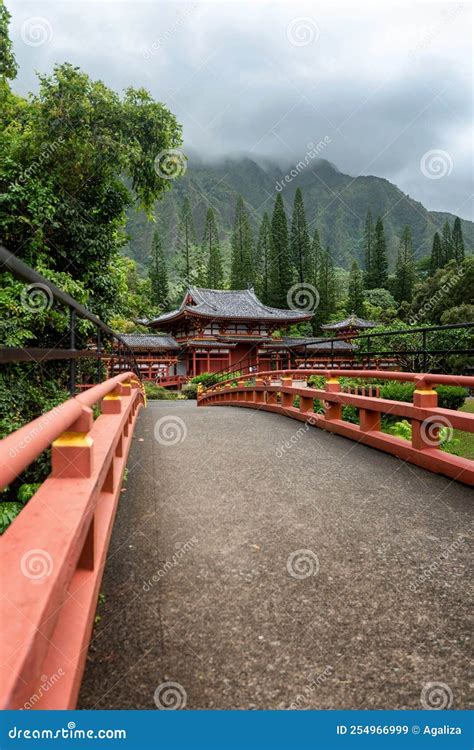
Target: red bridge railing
<point x="276" y="391"/>
<point x="53" y="555"/>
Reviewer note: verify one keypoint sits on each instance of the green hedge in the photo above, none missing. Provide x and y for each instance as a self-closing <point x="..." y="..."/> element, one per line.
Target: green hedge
<point x="157" y="392"/>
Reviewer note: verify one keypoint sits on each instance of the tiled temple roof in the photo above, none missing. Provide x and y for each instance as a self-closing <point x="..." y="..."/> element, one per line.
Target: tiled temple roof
<point x="351" y="322"/>
<point x="148" y="341"/>
<point x="232" y="304"/>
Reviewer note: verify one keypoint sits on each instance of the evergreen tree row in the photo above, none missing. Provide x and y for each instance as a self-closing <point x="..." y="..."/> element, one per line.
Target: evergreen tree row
<point x="285" y="254"/>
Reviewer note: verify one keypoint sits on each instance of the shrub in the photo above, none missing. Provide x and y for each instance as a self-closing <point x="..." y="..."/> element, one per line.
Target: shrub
<point x="451" y="396"/>
<point x="190" y="390"/>
<point x="8" y="511"/>
<point x="157" y="392"/>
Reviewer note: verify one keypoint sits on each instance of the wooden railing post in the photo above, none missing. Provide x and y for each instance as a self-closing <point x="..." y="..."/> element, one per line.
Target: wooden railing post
<point x="306" y="404"/>
<point x="259" y="396"/>
<point x="287" y="398"/>
<point x="332" y="411"/>
<point x="425" y="434"/>
<point x="112" y="403"/>
<point x="72" y="452"/>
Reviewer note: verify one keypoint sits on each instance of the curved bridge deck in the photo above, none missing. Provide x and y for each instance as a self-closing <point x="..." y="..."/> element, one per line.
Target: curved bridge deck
<point x="198" y="592"/>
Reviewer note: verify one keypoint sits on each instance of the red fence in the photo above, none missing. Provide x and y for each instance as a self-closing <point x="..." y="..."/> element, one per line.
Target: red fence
<point x="276" y="391"/>
<point x="53" y="555"/>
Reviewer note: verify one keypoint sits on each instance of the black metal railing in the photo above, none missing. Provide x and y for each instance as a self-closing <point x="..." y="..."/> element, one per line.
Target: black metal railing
<point x="108" y="344"/>
<point x="414" y="358"/>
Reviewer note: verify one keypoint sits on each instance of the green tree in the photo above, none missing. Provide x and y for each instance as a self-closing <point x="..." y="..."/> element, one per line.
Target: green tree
<point x="355" y="300"/>
<point x="210" y="241"/>
<point x="368" y="243"/>
<point x="457" y="241"/>
<point x="314" y="258"/>
<point x="300" y="244"/>
<point x="379" y="264"/>
<point x="263" y="259"/>
<point x="405" y="268"/>
<point x="326" y="289"/>
<point x="157" y="273"/>
<point x="241" y="272"/>
<point x="280" y="277"/>
<point x="446" y="243"/>
<point x="8" y="66"/>
<point x="437" y="258"/>
<point x="186" y="245"/>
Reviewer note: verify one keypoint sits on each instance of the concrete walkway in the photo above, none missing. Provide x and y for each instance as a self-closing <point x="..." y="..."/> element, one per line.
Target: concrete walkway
<point x="262" y="564"/>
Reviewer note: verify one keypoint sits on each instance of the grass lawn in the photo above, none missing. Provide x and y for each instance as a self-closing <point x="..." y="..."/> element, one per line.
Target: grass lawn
<point x="465" y="447"/>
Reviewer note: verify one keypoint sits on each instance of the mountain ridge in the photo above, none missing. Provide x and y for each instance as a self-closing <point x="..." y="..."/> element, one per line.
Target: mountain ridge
<point x="335" y="203"/>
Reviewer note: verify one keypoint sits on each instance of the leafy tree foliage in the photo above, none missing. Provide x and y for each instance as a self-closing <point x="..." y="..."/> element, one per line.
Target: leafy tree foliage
<point x="8" y="66"/>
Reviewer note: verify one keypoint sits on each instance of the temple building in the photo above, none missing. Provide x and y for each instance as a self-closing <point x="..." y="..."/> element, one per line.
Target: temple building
<point x="216" y="329"/>
<point x="348" y="327"/>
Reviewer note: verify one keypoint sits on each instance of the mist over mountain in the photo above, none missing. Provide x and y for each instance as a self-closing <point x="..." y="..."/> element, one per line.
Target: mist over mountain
<point x="335" y="203"/>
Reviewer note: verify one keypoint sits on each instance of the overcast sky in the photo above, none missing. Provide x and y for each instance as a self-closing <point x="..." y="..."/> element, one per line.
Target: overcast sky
<point x="385" y="85"/>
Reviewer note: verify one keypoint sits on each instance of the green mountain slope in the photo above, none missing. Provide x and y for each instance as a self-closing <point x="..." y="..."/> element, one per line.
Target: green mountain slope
<point x="336" y="203"/>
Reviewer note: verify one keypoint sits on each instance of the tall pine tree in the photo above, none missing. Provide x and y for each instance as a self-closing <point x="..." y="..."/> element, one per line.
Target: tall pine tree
<point x="437" y="259"/>
<point x="279" y="276"/>
<point x="263" y="259"/>
<point x="157" y="273"/>
<point x="313" y="260"/>
<point x="446" y="243"/>
<point x="241" y="272"/>
<point x="300" y="244"/>
<point x="326" y="289"/>
<point x="368" y="250"/>
<point x="211" y="246"/>
<point x="457" y="241"/>
<point x="186" y="245"/>
<point x="379" y="264"/>
<point x="405" y="268"/>
<point x="355" y="301"/>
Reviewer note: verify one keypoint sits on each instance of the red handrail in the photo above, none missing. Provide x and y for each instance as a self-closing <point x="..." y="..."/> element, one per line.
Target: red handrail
<point x="53" y="554"/>
<point x="276" y="390"/>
